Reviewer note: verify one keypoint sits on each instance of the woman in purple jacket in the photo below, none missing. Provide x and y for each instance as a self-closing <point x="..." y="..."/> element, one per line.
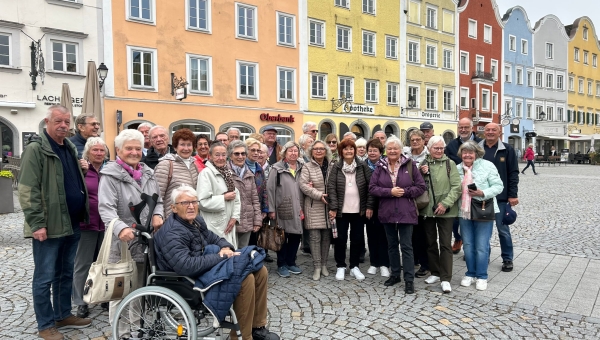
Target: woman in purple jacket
<point x="392" y="183"/>
<point x="95" y="154"/>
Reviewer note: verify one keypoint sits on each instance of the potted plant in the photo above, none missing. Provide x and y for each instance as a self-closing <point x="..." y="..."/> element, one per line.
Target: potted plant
<point x="6" y="192"/>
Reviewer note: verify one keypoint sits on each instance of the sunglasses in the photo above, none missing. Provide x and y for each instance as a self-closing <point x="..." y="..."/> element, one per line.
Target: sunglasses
<point x="238" y="154"/>
<point x="332" y="142"/>
<point x="314" y="131"/>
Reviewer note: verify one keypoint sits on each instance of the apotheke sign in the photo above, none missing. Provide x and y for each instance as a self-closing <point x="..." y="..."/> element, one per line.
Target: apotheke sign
<point x="356" y="108"/>
<point x="55" y="100"/>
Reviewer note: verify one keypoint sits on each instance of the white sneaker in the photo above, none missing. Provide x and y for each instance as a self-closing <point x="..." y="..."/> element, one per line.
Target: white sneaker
<point x="467" y="281"/>
<point x="432" y="279"/>
<point x="372" y="270"/>
<point x="357" y="274"/>
<point x="385" y="272"/>
<point x="481" y="284"/>
<point x="446" y="288"/>
<point x="340" y="274"/>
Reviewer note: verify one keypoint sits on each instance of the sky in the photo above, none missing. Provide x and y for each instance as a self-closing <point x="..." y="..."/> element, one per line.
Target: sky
<point x="566" y="11"/>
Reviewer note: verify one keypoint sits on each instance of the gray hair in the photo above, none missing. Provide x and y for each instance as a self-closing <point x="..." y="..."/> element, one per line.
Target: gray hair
<point x="144" y="125"/>
<point x="128" y="135"/>
<point x="434" y="140"/>
<point x="303" y="138"/>
<point x="467" y="118"/>
<point x="379" y="131"/>
<point x="213" y="145"/>
<point x="90" y="143"/>
<point x="234" y="145"/>
<point x="393" y="140"/>
<point x="349" y="134"/>
<point x="328" y="153"/>
<point x="264" y="147"/>
<point x="63" y="110"/>
<point x="183" y="189"/>
<point x="361" y="142"/>
<point x="81" y="119"/>
<point x="156" y="127"/>
<point x="288" y="145"/>
<point x="233" y="129"/>
<point x="416" y="132"/>
<point x="306" y="126"/>
<point x="471" y="146"/>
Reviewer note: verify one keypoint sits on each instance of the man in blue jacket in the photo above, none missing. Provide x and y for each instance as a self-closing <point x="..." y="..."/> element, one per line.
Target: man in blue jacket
<point x="505" y="159"/>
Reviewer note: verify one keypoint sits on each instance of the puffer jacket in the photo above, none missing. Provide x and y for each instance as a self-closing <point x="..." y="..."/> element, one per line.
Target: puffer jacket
<point x="181" y="175"/>
<point x="315" y="211"/>
<point x="336" y="187"/>
<point x="250" y="206"/>
<point x="92" y="182"/>
<point x="285" y="199"/>
<point x="446" y="186"/>
<point x="486" y="177"/>
<point x="117" y="190"/>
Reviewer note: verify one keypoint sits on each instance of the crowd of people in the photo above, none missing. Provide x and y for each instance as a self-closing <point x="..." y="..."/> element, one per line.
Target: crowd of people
<point x="323" y="193"/>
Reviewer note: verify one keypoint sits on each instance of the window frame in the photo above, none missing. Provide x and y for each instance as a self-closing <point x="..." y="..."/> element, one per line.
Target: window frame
<point x="519" y="75"/>
<point x="507" y="73"/>
<point x="586" y="57"/>
<point x="580" y="83"/>
<point x="389" y="38"/>
<point x="254" y="36"/>
<point x="448" y="106"/>
<point x="529" y="78"/>
<point x="486" y="39"/>
<point x="374" y="5"/>
<point x="576" y="54"/>
<point x="434" y="47"/>
<point x="462" y="89"/>
<point x="524" y="46"/>
<point x="150" y="21"/>
<point x="485" y="99"/>
<point x="594" y="60"/>
<point x="339" y="3"/>
<point x="494" y="102"/>
<point x="337" y="41"/>
<point x="447" y="63"/>
<point x="512" y="43"/>
<point x="208" y="28"/>
<point x="571" y="83"/>
<point x="279" y="16"/>
<point x="155" y="75"/>
<point x="416" y="89"/>
<point x="397" y="88"/>
<point x="466" y="55"/>
<point x="208" y="59"/>
<point x="256" y="65"/>
<point x="375" y="93"/>
<point x="560" y="82"/>
<point x="64" y="44"/>
<point x="435" y="17"/>
<point x="479" y="58"/>
<point x="373" y="35"/>
<point x="435" y="99"/>
<point x="549" y="80"/>
<point x="494" y="68"/>
<point x="417" y="53"/>
<point x="324" y="79"/>
<point x="518" y="109"/>
<point x="10" y="55"/>
<point x="472" y="22"/>
<point x="293" y="84"/>
<point x="539" y="79"/>
<point x="549" y="48"/>
<point x="323" y="36"/>
<point x="418" y="16"/>
<point x="346" y="78"/>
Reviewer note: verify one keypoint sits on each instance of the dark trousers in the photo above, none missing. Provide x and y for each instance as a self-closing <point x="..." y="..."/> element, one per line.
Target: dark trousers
<point x="287" y="255"/>
<point x="354" y="223"/>
<point x="455" y="231"/>
<point x="529" y="163"/>
<point x="87" y="251"/>
<point x="440" y="256"/>
<point x="419" y="243"/>
<point x="305" y="238"/>
<point x="400" y="235"/>
<point x="377" y="241"/>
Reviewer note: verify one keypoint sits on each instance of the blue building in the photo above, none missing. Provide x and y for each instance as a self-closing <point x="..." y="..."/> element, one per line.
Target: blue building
<point x="517" y="115"/>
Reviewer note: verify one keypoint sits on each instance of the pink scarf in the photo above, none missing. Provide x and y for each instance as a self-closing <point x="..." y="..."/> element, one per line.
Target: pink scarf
<point x="465" y="207"/>
<point x="135" y="173"/>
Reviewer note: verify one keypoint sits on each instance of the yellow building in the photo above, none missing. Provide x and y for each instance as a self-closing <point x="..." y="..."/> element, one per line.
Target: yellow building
<point x="584" y="83"/>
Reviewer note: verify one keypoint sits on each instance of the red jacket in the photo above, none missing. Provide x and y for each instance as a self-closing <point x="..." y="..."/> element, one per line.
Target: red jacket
<point x="529" y="155"/>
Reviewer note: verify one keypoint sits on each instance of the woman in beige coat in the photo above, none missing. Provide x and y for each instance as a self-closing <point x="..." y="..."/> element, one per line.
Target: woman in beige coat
<point x="174" y="170"/>
<point x="313" y="183"/>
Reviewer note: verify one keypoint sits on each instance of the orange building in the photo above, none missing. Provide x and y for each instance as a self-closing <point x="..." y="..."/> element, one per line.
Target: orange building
<point x="240" y="60"/>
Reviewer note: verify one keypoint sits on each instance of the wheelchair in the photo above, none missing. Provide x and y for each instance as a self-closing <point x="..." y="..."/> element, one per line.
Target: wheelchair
<point x="166" y="307"/>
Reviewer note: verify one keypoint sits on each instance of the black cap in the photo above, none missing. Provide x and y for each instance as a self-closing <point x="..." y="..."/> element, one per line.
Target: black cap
<point x="426" y="126"/>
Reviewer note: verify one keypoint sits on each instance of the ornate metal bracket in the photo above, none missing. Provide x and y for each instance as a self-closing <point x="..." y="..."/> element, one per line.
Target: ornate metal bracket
<point x="37" y="63"/>
<point x="335" y="103"/>
<point x="177" y="83"/>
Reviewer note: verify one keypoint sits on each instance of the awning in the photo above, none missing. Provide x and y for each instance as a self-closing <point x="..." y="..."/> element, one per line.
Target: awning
<point x="28" y="105"/>
<point x="556" y="137"/>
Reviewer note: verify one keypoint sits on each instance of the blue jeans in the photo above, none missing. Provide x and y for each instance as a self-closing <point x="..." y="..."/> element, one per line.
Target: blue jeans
<point x="506" y="244"/>
<point x="53" y="260"/>
<point x="476" y="237"/>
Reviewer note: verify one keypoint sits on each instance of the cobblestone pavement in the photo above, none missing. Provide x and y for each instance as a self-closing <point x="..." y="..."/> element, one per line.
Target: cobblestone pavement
<point x="551" y="294"/>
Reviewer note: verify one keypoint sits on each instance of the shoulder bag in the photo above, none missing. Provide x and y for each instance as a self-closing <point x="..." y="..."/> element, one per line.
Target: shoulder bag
<point x="110" y="281"/>
<point x="271" y="236"/>
<point x="482" y="210"/>
<point x="423" y="200"/>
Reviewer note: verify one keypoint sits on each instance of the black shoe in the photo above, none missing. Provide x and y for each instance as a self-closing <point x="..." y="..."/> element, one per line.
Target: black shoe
<point x="392" y="281"/>
<point x="507" y="266"/>
<point x="104" y="306"/>
<point x="83" y="311"/>
<point x="409" y="287"/>
<point x="262" y="333"/>
<point x="422" y="272"/>
<point x="305" y="251"/>
<point x="268" y="258"/>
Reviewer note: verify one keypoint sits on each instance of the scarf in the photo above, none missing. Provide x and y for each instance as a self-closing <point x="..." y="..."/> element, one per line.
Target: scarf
<point x="227" y="176"/>
<point x="135" y="173"/>
<point x="238" y="170"/>
<point x="251" y="165"/>
<point x="372" y="166"/>
<point x="349" y="168"/>
<point x="465" y="206"/>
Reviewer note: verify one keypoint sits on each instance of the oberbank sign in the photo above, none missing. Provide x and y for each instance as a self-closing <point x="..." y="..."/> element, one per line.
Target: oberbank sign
<point x="357" y="108"/>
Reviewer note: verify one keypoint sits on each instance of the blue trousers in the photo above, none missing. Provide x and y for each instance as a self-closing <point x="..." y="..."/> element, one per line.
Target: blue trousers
<point x="506" y="244"/>
<point x="476" y="246"/>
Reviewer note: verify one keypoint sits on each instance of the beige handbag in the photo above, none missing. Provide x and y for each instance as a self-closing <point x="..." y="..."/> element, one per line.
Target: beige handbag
<point x="110" y="281"/>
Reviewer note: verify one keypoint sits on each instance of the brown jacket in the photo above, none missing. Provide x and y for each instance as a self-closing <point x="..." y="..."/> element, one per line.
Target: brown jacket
<point x="180" y="175"/>
<point x="315" y="211"/>
<point x="250" y="214"/>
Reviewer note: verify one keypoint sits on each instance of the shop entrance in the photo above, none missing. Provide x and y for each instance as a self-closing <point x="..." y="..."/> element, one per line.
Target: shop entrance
<point x="6" y="142"/>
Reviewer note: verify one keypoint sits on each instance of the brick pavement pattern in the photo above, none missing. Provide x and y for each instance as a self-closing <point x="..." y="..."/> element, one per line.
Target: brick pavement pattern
<point x="553" y="292"/>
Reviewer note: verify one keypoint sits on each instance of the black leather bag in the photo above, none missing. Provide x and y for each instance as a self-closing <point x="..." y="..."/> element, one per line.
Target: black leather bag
<point x="482" y="210"/>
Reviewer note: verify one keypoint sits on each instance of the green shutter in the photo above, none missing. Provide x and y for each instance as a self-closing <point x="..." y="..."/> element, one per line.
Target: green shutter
<point x="568" y="116"/>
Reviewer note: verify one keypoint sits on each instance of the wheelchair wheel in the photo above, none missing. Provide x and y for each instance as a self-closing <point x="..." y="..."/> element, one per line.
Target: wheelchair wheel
<point x="154" y="313"/>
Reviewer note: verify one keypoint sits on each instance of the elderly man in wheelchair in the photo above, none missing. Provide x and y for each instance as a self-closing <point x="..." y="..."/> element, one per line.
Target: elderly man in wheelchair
<point x="184" y="245"/>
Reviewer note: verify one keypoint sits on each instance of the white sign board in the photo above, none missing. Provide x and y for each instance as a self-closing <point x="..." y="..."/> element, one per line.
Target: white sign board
<point x="357" y="108"/>
<point x="181" y="93"/>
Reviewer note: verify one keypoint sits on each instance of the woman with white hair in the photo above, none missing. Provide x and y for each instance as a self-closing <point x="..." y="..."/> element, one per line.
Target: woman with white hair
<point x="361" y="149"/>
<point x="305" y="141"/>
<point x="122" y="182"/>
<point x="436" y="219"/>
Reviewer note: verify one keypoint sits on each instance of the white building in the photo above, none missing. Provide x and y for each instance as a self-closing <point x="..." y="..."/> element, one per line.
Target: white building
<point x="70" y="34"/>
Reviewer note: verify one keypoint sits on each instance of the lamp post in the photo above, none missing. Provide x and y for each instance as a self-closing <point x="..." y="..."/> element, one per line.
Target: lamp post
<point x="102" y="73"/>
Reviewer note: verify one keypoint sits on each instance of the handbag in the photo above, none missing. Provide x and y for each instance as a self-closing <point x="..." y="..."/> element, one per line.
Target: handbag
<point x="423" y="200"/>
<point x="110" y="281"/>
<point x="482" y="210"/>
<point x="271" y="236"/>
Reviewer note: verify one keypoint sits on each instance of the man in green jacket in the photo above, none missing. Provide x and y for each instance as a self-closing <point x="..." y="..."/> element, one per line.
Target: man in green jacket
<point x="54" y="200"/>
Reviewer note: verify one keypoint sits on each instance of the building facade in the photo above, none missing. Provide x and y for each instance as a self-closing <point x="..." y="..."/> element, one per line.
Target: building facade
<point x="65" y="34"/>
<point x="240" y="61"/>
<point x="480" y="61"/>
<point x="517" y="109"/>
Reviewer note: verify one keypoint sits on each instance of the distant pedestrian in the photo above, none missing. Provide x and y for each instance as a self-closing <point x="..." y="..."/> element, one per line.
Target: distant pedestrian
<point x="529" y="157"/>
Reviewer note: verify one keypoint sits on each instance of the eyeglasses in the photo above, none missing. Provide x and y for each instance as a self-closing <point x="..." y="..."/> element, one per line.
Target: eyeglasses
<point x="314" y="131"/>
<point x="187" y="203"/>
<point x="416" y="140"/>
<point x="254" y="150"/>
<point x="238" y="154"/>
<point x="234" y="137"/>
<point x="93" y="124"/>
<point x="319" y="149"/>
<point x="438" y="148"/>
<point x="155" y="137"/>
<point x="332" y="142"/>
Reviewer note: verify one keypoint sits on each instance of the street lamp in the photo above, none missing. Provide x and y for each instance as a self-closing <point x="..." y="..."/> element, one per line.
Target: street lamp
<point x="542" y="115"/>
<point x="102" y="73"/>
<point x="412" y="102"/>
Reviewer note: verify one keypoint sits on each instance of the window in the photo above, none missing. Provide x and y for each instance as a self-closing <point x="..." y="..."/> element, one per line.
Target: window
<point x="5" y="49"/>
<point x="524" y="46"/>
<point x="479" y="64"/>
<point x="431" y="99"/>
<point x="559" y="82"/>
<point x="550" y="113"/>
<point x="413" y="52"/>
<point x="560" y="114"/>
<point x="285" y="29"/>
<point x="247" y="80"/>
<point x="594" y="59"/>
<point x="447" y="59"/>
<point x="494" y="102"/>
<point x="576" y="54"/>
<point x="448" y="21"/>
<point x="549" y="51"/>
<point x="598" y="89"/>
<point x="571" y="84"/>
<point x="318" y="84"/>
<point x="538" y="79"/>
<point x="431" y="55"/>
<point x="392" y="93"/>
<point x="317" y="33"/>
<point x="485" y="100"/>
<point x="343" y="3"/>
<point x="142" y="68"/>
<point x="64" y="57"/>
<point x="472" y="29"/>
<point x="585" y="33"/>
<point x="580" y="85"/>
<point x="199" y="14"/>
<point x="369" y="6"/>
<point x="487" y="34"/>
<point x="371" y="90"/>
<point x="464" y="97"/>
<point x="507" y="74"/>
<point x="518" y="109"/>
<point x="200" y="74"/>
<point x="448" y="97"/>
<point x="413" y="93"/>
<point x="585" y="57"/>
<point x="344" y="38"/>
<point x="589" y="92"/>
<point x="346" y="87"/>
<point x="529" y="110"/>
<point x="368" y="43"/>
<point x="494" y="68"/>
<point x="431" y="17"/>
<point x="464" y="62"/>
<point x="414" y="12"/>
<point x="519" y="76"/>
<point x="141" y="10"/>
<point x="246" y="21"/>
<point x="512" y="43"/>
<point x="507" y="106"/>
<point x="286" y="81"/>
<point x="529" y="78"/>
<point x="391" y="47"/>
<point x="549" y="80"/>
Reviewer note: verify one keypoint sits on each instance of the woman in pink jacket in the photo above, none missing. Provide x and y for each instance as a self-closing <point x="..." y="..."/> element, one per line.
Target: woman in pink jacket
<point x="529" y="156"/>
